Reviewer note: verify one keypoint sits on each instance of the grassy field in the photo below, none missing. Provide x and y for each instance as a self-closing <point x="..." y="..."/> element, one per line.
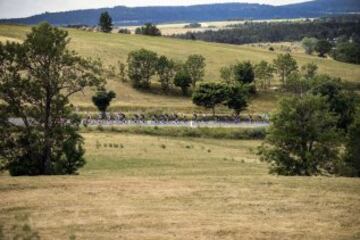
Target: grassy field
<point x="172" y="188"/>
<point x="114" y="47"/>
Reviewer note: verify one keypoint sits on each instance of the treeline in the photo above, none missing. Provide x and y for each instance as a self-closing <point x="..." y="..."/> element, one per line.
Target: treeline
<point x="252" y="32"/>
<point x="343" y="49"/>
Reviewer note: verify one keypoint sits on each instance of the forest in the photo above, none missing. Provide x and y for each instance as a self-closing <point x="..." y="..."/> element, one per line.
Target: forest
<point x="328" y="28"/>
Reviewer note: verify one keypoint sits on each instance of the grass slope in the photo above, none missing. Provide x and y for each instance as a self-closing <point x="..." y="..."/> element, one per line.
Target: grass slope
<point x="173" y="188"/>
<point x="114" y="47"/>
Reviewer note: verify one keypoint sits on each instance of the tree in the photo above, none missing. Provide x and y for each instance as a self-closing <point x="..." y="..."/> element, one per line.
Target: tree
<point x="264" y="73"/>
<point x="37" y="78"/>
<point x="183" y="80"/>
<point x="166" y="71"/>
<point x="309" y="45"/>
<point x="209" y="95"/>
<point x="227" y="75"/>
<point x="237" y="98"/>
<point x="102" y="100"/>
<point x="342" y="102"/>
<point x="244" y="72"/>
<point x="122" y="71"/>
<point x="323" y="47"/>
<point x="285" y="64"/>
<point x="309" y="70"/>
<point x="347" y="52"/>
<point x="148" y="29"/>
<point x="303" y="138"/>
<point x="195" y="67"/>
<point x="141" y="67"/>
<point x="105" y="22"/>
<point x="298" y="84"/>
<point x="352" y="153"/>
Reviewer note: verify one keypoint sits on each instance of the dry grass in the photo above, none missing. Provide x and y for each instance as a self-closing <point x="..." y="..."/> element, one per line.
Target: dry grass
<point x="182" y="191"/>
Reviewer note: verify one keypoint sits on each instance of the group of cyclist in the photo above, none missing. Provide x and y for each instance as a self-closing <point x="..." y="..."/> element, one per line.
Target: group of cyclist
<point x="172" y="119"/>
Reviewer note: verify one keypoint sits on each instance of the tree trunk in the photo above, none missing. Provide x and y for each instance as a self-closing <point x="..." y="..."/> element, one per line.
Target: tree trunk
<point x="103" y="115"/>
<point x="184" y="91"/>
<point x="47" y="168"/>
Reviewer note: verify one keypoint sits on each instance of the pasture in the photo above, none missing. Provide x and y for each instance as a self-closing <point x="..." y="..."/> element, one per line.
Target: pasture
<point x="111" y="48"/>
<point x="147" y="187"/>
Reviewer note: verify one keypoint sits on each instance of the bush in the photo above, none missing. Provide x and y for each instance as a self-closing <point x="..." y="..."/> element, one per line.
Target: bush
<point x="148" y="29"/>
<point x="124" y="31"/>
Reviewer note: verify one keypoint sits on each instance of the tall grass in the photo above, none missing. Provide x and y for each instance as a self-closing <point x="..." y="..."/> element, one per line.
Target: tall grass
<point x="200" y="132"/>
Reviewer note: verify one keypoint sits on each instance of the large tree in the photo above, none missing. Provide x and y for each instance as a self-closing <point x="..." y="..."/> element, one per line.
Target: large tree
<point x="195" y="67"/>
<point x="105" y="22"/>
<point x="38" y="127"/>
<point x="141" y="67"/>
<point x="303" y="138"/>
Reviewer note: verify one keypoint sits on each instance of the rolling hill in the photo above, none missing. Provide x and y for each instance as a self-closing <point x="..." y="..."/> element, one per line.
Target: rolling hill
<point x="213" y="12"/>
<point x="111" y="48"/>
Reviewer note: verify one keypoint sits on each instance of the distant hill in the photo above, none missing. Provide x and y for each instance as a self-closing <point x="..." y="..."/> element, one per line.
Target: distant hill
<point x="212" y="12"/>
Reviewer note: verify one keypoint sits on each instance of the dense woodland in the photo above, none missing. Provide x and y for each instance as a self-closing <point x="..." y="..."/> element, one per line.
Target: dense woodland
<point x="252" y="32"/>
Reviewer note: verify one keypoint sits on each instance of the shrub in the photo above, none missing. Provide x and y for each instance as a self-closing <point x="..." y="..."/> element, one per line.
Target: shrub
<point x="148" y="29"/>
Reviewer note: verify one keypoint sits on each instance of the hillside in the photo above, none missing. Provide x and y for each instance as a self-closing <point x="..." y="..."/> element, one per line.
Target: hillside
<point x="114" y="47"/>
<point x="213" y="12"/>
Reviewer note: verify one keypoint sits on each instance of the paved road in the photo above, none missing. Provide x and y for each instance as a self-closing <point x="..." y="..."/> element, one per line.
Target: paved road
<point x="183" y="124"/>
<point x="245" y="124"/>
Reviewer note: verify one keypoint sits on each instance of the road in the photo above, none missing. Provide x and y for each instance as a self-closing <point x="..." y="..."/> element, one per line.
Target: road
<point x="213" y="124"/>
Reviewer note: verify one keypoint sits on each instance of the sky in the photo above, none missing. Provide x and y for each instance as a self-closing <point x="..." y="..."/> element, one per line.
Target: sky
<point x="25" y="8"/>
